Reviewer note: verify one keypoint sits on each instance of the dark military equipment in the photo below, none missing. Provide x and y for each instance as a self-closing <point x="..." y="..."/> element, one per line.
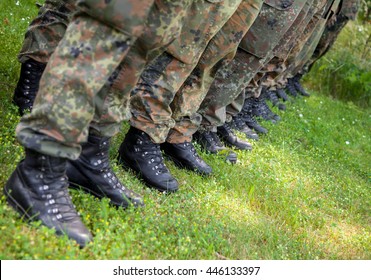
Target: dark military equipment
<point x="226" y="134"/>
<point x="299" y="88"/>
<point x="140" y="154"/>
<point x="248" y="117"/>
<point x="28" y="85"/>
<point x="273" y="98"/>
<point x="92" y="173"/>
<point x="184" y="155"/>
<point x="239" y="124"/>
<point x="38" y="190"/>
<point x="211" y="143"/>
<point x="291" y="89"/>
<point x="281" y="93"/>
<point x="261" y="109"/>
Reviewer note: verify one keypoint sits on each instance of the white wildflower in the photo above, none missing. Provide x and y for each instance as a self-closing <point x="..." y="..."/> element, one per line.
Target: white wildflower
<point x="347" y="142"/>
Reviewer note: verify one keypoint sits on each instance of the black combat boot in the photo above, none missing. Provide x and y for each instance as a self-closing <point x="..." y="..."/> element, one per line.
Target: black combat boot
<point x="211" y="143"/>
<point x="281" y="93"/>
<point x="226" y="134"/>
<point x="92" y="173"/>
<point x="28" y="85"/>
<point x="184" y="155"/>
<point x="261" y="109"/>
<point x="290" y="87"/>
<point x="239" y="124"/>
<point x="299" y="88"/>
<point x="273" y="98"/>
<point x="140" y="154"/>
<point x="248" y="117"/>
<point x="38" y="190"/>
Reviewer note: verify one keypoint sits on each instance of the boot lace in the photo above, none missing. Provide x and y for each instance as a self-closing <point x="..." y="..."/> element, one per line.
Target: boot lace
<point x="189" y="146"/>
<point x="238" y="122"/>
<point x="30" y="81"/>
<point x="212" y="138"/>
<point x="152" y="153"/>
<point x="106" y="169"/>
<point x="291" y="88"/>
<point x="228" y="128"/>
<point x="272" y="96"/>
<point x="56" y="198"/>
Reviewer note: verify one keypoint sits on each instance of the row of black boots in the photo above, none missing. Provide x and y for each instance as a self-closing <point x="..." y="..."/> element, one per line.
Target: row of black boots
<point x="38" y="188"/>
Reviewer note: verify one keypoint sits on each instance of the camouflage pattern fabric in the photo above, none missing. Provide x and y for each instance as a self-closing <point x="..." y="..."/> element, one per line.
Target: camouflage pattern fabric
<point x="348" y="11"/>
<point x="46" y="30"/>
<point x="236" y="76"/>
<point x="165" y="20"/>
<point x="164" y="23"/>
<point x="350" y="8"/>
<point x="219" y="52"/>
<point x="163" y="77"/>
<point x="308" y="40"/>
<point x="126" y="16"/>
<point x="68" y="98"/>
<point x="276" y="68"/>
<point x="275" y="64"/>
<point x="310" y="45"/>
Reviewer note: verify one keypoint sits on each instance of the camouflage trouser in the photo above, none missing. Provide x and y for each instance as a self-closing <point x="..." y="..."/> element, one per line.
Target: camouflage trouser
<point x="292" y="41"/>
<point x="220" y="51"/>
<point x="348" y="11"/>
<point x="273" y="21"/>
<point x="46" y="30"/>
<point x="307" y="41"/>
<point x="68" y="100"/>
<point x="164" y="24"/>
<point x="275" y="64"/>
<point x="328" y="38"/>
<point x="163" y="77"/>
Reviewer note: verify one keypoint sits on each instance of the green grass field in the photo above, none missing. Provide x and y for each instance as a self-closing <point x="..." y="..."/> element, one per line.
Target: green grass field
<point x="304" y="192"/>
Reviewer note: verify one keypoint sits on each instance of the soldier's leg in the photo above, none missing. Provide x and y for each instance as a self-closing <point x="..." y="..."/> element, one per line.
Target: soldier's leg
<point x="164" y="76"/>
<point x="233" y="116"/>
<point x="328" y="38"/>
<point x="220" y="51"/>
<point x="152" y="115"/>
<point x="41" y="39"/>
<point x="164" y="25"/>
<point x="53" y="132"/>
<point x="309" y="37"/>
<point x="277" y="63"/>
<point x="253" y="52"/>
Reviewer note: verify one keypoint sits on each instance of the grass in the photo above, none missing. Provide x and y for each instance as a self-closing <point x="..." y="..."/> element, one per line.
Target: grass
<point x="302" y="193"/>
<point x="345" y="72"/>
